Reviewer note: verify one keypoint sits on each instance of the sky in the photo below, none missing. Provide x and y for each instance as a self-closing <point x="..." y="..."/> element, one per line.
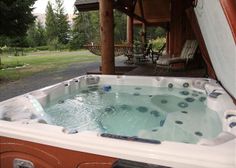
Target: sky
<point x="40" y="6"/>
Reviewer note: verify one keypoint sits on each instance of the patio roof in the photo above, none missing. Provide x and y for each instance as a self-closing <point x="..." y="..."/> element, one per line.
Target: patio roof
<point x="143" y="11"/>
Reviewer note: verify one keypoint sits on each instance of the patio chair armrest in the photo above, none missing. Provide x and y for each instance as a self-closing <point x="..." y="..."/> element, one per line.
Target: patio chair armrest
<point x="177" y="60"/>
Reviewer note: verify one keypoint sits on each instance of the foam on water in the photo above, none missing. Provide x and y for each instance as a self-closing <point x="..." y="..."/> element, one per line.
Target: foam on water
<point x="146" y="112"/>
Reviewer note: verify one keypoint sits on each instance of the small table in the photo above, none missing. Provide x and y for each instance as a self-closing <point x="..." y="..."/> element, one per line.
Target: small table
<point x="130" y="59"/>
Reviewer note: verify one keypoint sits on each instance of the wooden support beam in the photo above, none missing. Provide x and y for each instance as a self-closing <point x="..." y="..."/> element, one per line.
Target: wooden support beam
<point x="176" y="28"/>
<point x="129" y="13"/>
<point x="133" y="6"/>
<point x="141" y="8"/>
<point x="107" y="36"/>
<point x="130" y="30"/>
<point x="139" y="18"/>
<point x="144" y="31"/>
<point x="168" y="42"/>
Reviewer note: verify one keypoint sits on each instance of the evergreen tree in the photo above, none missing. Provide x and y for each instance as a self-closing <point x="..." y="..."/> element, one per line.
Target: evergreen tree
<point x="36" y="35"/>
<point x="85" y="29"/>
<point x="62" y="22"/>
<point x="51" y="25"/>
<point x="41" y="34"/>
<point x="120" y="27"/>
<point x="32" y="35"/>
<point x="79" y="32"/>
<point x="15" y="17"/>
<point x="57" y="25"/>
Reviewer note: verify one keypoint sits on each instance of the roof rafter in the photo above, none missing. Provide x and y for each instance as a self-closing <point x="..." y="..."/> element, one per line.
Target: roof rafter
<point x="141" y="8"/>
<point x="125" y="6"/>
<point x="134" y="4"/>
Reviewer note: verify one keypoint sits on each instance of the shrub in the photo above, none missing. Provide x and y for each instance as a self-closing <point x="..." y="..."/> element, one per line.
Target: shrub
<point x="158" y="43"/>
<point x="42" y="48"/>
<point x="30" y="49"/>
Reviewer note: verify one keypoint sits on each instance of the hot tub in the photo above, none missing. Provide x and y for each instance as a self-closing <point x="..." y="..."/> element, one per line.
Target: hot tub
<point x="97" y="120"/>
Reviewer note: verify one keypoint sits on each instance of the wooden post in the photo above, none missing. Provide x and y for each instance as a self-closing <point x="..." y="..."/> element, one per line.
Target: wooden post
<point x="107" y="36"/>
<point x="176" y="28"/>
<point x="130" y="30"/>
<point x="168" y="42"/>
<point x="144" y="34"/>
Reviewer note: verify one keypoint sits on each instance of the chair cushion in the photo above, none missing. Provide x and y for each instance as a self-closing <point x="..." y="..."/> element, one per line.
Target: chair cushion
<point x="187" y="53"/>
<point x="177" y="60"/>
<point x="168" y="61"/>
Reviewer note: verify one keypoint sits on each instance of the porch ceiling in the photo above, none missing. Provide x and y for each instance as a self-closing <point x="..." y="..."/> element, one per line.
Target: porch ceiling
<point x="151" y="12"/>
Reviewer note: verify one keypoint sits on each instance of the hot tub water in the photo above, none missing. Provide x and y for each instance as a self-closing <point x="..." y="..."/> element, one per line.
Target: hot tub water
<point x="146" y="112"/>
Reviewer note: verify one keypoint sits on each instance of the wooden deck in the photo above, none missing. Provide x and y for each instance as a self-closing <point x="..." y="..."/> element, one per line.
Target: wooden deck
<point x="148" y="69"/>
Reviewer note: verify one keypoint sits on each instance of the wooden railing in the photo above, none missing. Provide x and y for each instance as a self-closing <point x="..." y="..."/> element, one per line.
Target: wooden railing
<point x="118" y="49"/>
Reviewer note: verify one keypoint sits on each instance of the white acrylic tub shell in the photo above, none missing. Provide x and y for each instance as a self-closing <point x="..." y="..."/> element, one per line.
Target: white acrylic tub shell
<point x="218" y="153"/>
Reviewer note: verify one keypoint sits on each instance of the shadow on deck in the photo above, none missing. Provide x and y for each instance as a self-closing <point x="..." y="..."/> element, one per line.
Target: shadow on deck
<point x="148" y="69"/>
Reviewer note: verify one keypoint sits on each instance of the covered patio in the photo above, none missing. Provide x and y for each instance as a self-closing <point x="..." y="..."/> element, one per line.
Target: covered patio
<point x="177" y="17"/>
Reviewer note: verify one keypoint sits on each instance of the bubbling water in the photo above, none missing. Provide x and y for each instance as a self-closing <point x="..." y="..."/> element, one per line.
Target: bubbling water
<point x="145" y="112"/>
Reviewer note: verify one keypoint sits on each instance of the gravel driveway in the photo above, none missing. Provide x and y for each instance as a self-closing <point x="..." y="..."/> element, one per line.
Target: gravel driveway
<point x="47" y="78"/>
<point x="43" y="79"/>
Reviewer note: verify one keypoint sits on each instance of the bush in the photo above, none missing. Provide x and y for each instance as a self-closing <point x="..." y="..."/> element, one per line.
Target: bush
<point x="16" y="51"/>
<point x="138" y="47"/>
<point x="77" y="42"/>
<point x="63" y="47"/>
<point x="30" y="49"/>
<point x="56" y="45"/>
<point x="42" y="48"/>
<point x="158" y="43"/>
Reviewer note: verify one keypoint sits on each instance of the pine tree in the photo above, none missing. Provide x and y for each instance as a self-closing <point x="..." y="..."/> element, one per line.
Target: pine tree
<point x="79" y="31"/>
<point x="15" y="17"/>
<point x="51" y="25"/>
<point x="85" y="29"/>
<point x="36" y="35"/>
<point x="31" y="35"/>
<point x="62" y="22"/>
<point x="57" y="26"/>
<point x="120" y="27"/>
<point x="41" y="34"/>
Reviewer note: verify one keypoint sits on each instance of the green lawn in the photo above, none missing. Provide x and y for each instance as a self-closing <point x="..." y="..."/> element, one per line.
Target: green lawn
<point x="42" y="61"/>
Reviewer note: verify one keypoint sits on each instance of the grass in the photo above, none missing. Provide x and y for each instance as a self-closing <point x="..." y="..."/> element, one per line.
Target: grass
<point x="11" y="65"/>
<point x="41" y="61"/>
